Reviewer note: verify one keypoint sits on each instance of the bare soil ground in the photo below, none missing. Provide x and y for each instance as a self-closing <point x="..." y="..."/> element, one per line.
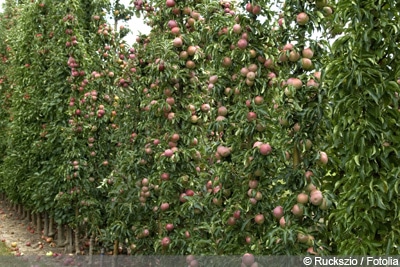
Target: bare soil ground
<point x="15" y="234"/>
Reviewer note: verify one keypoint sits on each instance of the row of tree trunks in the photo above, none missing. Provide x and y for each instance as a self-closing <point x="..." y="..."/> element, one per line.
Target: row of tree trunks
<point x="44" y="225"/>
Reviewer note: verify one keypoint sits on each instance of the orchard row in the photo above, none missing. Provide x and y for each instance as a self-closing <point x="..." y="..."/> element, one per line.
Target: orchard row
<point x="220" y="132"/>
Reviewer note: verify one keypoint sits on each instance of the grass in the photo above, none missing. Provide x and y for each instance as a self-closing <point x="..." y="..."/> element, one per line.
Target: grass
<point x="4" y="250"/>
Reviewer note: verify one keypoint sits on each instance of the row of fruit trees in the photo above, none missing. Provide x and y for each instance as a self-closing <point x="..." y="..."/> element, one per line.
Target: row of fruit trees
<point x="267" y="127"/>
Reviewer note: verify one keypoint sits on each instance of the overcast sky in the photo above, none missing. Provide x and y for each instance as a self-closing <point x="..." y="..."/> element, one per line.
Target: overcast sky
<point x="136" y="25"/>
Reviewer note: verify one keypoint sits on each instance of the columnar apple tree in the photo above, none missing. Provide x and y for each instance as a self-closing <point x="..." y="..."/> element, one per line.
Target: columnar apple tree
<point x="364" y="88"/>
<point x="6" y="22"/>
<point x="62" y="110"/>
<point x="227" y="136"/>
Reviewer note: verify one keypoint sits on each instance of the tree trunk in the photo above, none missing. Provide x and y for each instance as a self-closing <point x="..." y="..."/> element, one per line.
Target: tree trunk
<point x="76" y="232"/>
<point x="51" y="227"/>
<point x="28" y="217"/>
<point x="33" y="217"/>
<point x="20" y="210"/>
<point x="115" y="253"/>
<point x="60" y="236"/>
<point x="68" y="242"/>
<point x="116" y="245"/>
<point x="39" y="226"/>
<point x="46" y="224"/>
<point x="76" y="239"/>
<point x="91" y="243"/>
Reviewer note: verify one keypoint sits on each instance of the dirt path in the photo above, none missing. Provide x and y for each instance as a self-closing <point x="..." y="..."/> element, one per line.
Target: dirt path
<point x="15" y="234"/>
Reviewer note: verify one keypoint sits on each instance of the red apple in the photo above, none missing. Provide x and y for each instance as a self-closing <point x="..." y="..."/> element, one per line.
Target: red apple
<point x="302" y="198"/>
<point x="259" y="219"/>
<point x="170" y="3"/>
<point x="166" y="241"/>
<point x="242" y="43"/>
<point x="251" y="116"/>
<point x="323" y="158"/>
<point x="169" y="227"/>
<point x="164" y="206"/>
<point x="278" y="212"/>
<point x="265" y="149"/>
<point x="302" y="18"/>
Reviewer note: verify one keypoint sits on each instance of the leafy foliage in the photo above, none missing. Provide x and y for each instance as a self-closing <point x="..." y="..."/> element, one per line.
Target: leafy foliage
<point x="211" y="134"/>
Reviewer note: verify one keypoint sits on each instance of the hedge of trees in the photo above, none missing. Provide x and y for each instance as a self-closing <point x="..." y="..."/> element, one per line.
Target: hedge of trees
<point x="232" y="127"/>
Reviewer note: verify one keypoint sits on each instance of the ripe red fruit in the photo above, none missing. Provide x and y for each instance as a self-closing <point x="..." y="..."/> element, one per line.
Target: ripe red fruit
<point x="172" y="24"/>
<point x="316" y="197"/>
<point x="175" y="31"/>
<point x="258" y="100"/>
<point x="307" y="53"/>
<point x="306" y="64"/>
<point x="282" y="222"/>
<point x="170" y="3"/>
<point x="249" y="7"/>
<point x="257" y="144"/>
<point x="231" y="221"/>
<point x="302" y="198"/>
<point x="302" y="18"/>
<point x="187" y="234"/>
<point x="278" y="212"/>
<point x="253" y="184"/>
<point x="294" y="56"/>
<point x="323" y="158"/>
<point x="256" y="10"/>
<point x="226" y="62"/>
<point x="295" y="82"/>
<point x="251" y="116"/>
<point x="236" y="214"/>
<point x="205" y="107"/>
<point x="222" y="111"/>
<point x="182" y="198"/>
<point x="189" y="192"/>
<point x="302" y="238"/>
<point x="223" y="151"/>
<point x="169" y="227"/>
<point x="297" y="210"/>
<point x="166" y="241"/>
<point x="251" y="75"/>
<point x="237" y="28"/>
<point x="242" y="43"/>
<point x="190" y="64"/>
<point x="177" y="42"/>
<point x="164" y="206"/>
<point x="308" y="175"/>
<point x="265" y="149"/>
<point x="165" y="176"/>
<point x="259" y="219"/>
<point x="168" y="152"/>
<point x="191" y="50"/>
